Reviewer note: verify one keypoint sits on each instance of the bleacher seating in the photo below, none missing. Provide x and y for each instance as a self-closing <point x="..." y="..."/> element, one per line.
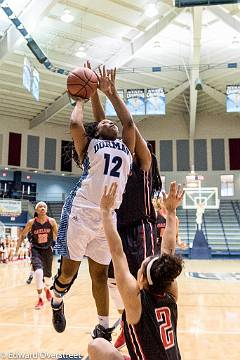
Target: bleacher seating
<point x="55" y="209"/>
<point x="221" y="228"/>
<point x="231" y="226"/>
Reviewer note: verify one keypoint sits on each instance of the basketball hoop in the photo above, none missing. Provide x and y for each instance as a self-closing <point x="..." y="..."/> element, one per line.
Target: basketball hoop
<point x="200" y="198"/>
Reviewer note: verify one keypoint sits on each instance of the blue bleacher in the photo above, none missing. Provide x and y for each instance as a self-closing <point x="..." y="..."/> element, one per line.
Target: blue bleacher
<point x="221" y="228"/>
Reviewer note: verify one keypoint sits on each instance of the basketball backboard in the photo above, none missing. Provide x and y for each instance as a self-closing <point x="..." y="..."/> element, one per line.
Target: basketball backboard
<point x="206" y="197"/>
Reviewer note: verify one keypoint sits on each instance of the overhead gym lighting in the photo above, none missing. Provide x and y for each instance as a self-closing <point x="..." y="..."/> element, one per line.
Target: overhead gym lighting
<point x="67" y="17"/>
<point x="81" y="53"/>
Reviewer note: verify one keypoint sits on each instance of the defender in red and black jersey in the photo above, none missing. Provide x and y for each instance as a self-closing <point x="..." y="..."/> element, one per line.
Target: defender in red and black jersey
<point x="155" y="335"/>
<point x="150" y="317"/>
<point x="136" y="220"/>
<point x="43" y="231"/>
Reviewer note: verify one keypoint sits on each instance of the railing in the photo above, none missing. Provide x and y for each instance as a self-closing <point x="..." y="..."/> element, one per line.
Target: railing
<point x="224" y="233"/>
<point x="33" y="196"/>
<point x="235" y="212"/>
<point x="188" y="230"/>
<point x="58" y="196"/>
<point x="204" y="225"/>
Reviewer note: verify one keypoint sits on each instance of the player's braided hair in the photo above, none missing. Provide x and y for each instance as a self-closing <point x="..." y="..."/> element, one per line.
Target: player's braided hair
<point x="91" y="132"/>
<point x="163" y="271"/>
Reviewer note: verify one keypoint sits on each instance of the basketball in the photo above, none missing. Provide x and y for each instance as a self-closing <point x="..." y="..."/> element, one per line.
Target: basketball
<point x="82" y="82"/>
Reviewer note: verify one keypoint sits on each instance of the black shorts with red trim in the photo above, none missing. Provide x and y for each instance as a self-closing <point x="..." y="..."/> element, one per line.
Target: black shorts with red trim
<point x="42" y="259"/>
<point x="139" y="242"/>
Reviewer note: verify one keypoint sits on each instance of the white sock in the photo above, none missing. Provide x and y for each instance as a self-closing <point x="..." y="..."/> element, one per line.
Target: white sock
<point x="57" y="300"/>
<point x="40" y="296"/>
<point x="104" y="321"/>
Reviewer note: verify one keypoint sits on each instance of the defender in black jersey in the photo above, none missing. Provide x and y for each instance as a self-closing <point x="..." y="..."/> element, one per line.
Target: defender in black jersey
<point x="43" y="231"/>
<point x="136" y="220"/>
<point x="150" y="316"/>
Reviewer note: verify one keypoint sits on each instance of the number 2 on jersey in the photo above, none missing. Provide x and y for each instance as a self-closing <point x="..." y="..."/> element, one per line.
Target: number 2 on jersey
<point x="115" y="170"/>
<point x="163" y="315"/>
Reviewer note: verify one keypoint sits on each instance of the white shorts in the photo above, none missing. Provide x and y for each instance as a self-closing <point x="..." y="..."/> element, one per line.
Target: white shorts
<point x="85" y="235"/>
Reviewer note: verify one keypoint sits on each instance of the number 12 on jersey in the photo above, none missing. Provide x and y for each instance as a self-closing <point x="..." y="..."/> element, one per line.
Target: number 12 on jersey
<point x="110" y="168"/>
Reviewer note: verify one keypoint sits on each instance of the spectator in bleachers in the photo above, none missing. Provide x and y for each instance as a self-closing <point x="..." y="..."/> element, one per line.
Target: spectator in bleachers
<point x="3" y="251"/>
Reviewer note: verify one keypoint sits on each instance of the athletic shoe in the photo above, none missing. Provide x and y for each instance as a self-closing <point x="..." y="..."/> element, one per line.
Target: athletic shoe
<point x="120" y="341"/>
<point x="29" y="280"/>
<point x="100" y="332"/>
<point x="39" y="304"/>
<point x="58" y="317"/>
<point x="48" y="294"/>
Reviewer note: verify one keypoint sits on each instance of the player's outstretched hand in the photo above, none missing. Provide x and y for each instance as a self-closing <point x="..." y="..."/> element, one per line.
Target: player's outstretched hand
<point x="88" y="65"/>
<point x="173" y="199"/>
<point x="108" y="197"/>
<point x="106" y="79"/>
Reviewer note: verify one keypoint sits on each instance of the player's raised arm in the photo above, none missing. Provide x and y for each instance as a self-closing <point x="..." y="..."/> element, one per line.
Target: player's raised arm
<point x="107" y="86"/>
<point x="142" y="152"/>
<point x="126" y="282"/>
<point x="97" y="108"/>
<point x="171" y="201"/>
<point x="78" y="133"/>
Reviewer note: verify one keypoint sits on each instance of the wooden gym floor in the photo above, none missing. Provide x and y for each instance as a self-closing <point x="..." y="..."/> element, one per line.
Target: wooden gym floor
<point x="208" y="327"/>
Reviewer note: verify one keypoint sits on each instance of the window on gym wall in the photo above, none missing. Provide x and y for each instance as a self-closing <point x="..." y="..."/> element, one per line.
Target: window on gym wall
<point x="227" y="185"/>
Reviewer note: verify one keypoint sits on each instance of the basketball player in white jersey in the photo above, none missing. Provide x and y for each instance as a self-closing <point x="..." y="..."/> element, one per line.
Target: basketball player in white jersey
<point x="135" y="217"/>
<point x="105" y="159"/>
